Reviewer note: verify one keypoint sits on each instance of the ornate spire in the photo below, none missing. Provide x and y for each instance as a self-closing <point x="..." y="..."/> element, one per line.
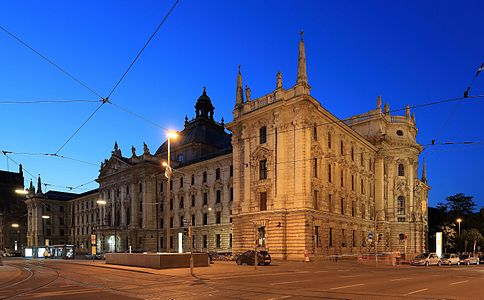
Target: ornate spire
<point x="39" y="185"/>
<point x="302" y="76"/>
<point x="424" y="172"/>
<point x="20" y="170"/>
<point x="278" y="80"/>
<point x="239" y="96"/>
<point x="407" y="111"/>
<point x="31" y="187"/>
<point x="247" y="93"/>
<point x="378" y="102"/>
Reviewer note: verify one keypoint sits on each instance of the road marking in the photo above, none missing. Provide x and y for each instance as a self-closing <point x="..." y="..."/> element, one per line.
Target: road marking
<point x="398" y="279"/>
<point x="458" y="282"/>
<point x="417" y="291"/>
<point x="347" y="286"/>
<point x="288" y="282"/>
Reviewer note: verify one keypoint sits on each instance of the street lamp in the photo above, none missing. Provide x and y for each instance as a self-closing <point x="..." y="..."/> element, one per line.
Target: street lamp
<point x="21" y="192"/>
<point x="459" y="220"/>
<point x="104" y="202"/>
<point x="170" y="135"/>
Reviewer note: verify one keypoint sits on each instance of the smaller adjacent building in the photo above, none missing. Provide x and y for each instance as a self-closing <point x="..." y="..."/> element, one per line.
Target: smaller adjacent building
<point x="13" y="223"/>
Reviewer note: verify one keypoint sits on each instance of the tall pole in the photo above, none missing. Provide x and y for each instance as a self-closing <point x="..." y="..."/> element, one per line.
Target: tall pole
<point x="376" y="240"/>
<point x="157" y="216"/>
<point x="115" y="227"/>
<point x="168" y="196"/>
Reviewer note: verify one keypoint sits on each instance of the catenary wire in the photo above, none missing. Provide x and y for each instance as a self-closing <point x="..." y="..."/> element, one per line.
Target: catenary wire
<point x="142" y="49"/>
<point x="50" y="62"/>
<point x="46" y="101"/>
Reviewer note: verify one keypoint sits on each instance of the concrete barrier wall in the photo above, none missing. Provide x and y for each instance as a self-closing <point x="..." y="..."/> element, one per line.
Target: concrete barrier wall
<point x="157" y="261"/>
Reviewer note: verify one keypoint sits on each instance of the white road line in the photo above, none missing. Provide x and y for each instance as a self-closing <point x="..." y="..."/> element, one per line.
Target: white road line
<point x="288" y="282"/>
<point x="458" y="282"/>
<point x="398" y="279"/>
<point x="417" y="291"/>
<point x="347" y="286"/>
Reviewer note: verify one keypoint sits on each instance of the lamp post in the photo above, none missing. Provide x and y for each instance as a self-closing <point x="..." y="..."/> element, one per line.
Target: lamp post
<point x="459" y="220"/>
<point x="103" y="202"/>
<point x="170" y="135"/>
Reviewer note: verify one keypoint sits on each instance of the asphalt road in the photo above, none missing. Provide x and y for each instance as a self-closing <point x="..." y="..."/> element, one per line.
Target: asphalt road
<point x="58" y="279"/>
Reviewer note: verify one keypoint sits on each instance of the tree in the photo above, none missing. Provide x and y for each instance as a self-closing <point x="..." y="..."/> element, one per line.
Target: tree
<point x="460" y="205"/>
<point x="468" y="237"/>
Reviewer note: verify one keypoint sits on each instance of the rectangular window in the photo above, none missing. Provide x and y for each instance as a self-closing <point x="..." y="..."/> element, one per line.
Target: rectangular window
<point x="315" y="133"/>
<point x="193" y="242"/>
<point x="162" y="223"/>
<point x="218" y="241"/>
<point x="204" y="176"/>
<point x="171" y="204"/>
<point x="316" y="236"/>
<point x="353" y="238"/>
<point x="127" y="189"/>
<point x="343" y="238"/>
<point x="205" y="198"/>
<point x="171" y="184"/>
<point x="171" y="222"/>
<point x="217" y="174"/>
<point x="330" y="236"/>
<point x="352" y="154"/>
<point x="329" y="173"/>
<point x="230" y="241"/>
<point x="342" y="174"/>
<point x="205" y="219"/>
<point x="205" y="241"/>
<point x="263" y="169"/>
<point x="342" y="206"/>
<point x="231" y="171"/>
<point x="140" y="187"/>
<point x="171" y="242"/>
<point x="315" y="199"/>
<point x="401" y="219"/>
<point x="362" y="187"/>
<point x="218" y="217"/>
<point x="329" y="140"/>
<point x="315" y="167"/>
<point x="352" y="182"/>
<point x="218" y="199"/>
<point x="353" y="208"/>
<point x="181" y="182"/>
<point x="193" y="200"/>
<point x="330" y="203"/>
<point x="342" y="148"/>
<point x="193" y="220"/>
<point x="161" y="187"/>
<point x="181" y="222"/>
<point x="263" y="135"/>
<point x="362" y="161"/>
<point x="231" y="194"/>
<point x="263" y="201"/>
<point x="182" y="200"/>
<point x="193" y="179"/>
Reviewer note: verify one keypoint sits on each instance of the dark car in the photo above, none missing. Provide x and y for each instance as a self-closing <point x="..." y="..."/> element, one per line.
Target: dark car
<point x="248" y="257"/>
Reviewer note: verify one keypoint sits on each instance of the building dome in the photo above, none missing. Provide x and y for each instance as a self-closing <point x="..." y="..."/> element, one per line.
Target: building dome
<point x="204" y="107"/>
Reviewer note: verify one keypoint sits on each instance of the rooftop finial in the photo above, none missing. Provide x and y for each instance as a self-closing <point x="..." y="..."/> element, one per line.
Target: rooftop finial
<point x="424" y="172"/>
<point x="407" y="111"/>
<point x="239" y="95"/>
<point x="302" y="77"/>
<point x="204" y="89"/>
<point x="39" y="185"/>
<point x="247" y="93"/>
<point x="301" y="33"/>
<point x="378" y="102"/>
<point x="279" y="80"/>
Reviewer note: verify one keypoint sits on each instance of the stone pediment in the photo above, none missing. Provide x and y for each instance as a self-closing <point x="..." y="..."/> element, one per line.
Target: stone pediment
<point x="113" y="165"/>
<point x="261" y="153"/>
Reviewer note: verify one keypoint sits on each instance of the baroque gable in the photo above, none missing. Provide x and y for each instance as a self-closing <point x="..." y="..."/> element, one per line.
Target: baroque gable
<point x="112" y="166"/>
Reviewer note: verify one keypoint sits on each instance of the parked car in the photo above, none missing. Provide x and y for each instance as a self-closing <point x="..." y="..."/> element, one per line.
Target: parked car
<point x="426" y="259"/>
<point x="469" y="259"/>
<point x="450" y="259"/>
<point x="248" y="257"/>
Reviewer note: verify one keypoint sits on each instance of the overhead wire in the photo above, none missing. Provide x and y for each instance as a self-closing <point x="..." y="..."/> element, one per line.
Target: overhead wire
<point x="50" y="61"/>
<point x="46" y="101"/>
<point x="142" y="49"/>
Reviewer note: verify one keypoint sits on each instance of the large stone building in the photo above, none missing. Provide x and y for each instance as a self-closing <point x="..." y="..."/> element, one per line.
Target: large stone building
<point x="13" y="219"/>
<point x="293" y="179"/>
<point x="309" y="183"/>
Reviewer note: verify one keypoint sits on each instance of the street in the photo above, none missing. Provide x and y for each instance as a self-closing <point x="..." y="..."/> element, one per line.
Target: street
<point x="61" y="279"/>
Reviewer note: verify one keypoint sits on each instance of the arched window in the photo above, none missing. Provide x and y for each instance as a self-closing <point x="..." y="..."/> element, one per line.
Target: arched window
<point x="400" y="205"/>
<point x="401" y="170"/>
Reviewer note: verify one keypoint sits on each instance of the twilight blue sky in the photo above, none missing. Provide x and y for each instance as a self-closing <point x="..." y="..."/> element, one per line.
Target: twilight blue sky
<point x="410" y="52"/>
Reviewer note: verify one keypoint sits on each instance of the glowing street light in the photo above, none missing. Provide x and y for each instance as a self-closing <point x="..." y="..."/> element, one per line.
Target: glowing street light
<point x="459" y="220"/>
<point x="21" y="192"/>
<point x="45" y="217"/>
<point x="171" y="134"/>
<point x="15" y="225"/>
<point x="101" y="202"/>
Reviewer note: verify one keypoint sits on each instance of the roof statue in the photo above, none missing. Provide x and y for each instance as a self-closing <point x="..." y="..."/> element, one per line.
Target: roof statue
<point x="133" y="151"/>
<point x="247" y="93"/>
<point x="146" y="150"/>
<point x="279" y="80"/>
